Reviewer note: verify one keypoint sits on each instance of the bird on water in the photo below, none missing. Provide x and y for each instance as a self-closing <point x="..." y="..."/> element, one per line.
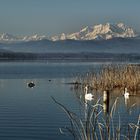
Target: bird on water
<point x="126" y="93"/>
<point x="31" y="84"/>
<point x="88" y="96"/>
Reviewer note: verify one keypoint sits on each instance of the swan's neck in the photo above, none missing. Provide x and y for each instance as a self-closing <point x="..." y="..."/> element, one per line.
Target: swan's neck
<point x="125" y="90"/>
<point x="126" y="93"/>
<point x="86" y="90"/>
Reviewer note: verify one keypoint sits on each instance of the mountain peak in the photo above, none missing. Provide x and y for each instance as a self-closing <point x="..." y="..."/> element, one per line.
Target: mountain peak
<point x="102" y="31"/>
<point x="7" y="37"/>
<point x="122" y="25"/>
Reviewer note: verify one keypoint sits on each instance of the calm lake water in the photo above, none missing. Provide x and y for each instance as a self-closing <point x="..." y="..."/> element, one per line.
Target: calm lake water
<point x="31" y="114"/>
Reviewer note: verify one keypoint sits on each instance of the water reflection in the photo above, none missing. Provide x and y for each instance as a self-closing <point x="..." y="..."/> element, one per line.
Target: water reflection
<point x="127" y="102"/>
<point x="118" y="111"/>
<point x="106" y="99"/>
<point x="132" y="103"/>
<point x="31" y="114"/>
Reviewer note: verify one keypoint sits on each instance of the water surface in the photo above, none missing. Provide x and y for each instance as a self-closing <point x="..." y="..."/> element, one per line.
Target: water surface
<point x="30" y="113"/>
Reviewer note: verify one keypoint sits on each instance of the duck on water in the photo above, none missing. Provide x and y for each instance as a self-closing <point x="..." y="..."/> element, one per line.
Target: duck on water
<point x="31" y="84"/>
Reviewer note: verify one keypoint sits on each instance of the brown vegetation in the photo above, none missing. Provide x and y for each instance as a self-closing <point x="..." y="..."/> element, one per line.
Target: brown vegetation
<point x="110" y="77"/>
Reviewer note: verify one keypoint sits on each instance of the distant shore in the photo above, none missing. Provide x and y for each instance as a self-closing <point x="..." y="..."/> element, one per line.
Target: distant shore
<point x="78" y="57"/>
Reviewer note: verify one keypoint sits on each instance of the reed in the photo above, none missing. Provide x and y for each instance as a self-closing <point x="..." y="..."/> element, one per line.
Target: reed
<point x="93" y="126"/>
<point x="110" y="77"/>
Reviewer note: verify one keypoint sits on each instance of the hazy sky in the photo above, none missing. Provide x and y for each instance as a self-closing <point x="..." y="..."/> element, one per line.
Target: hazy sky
<point x="51" y="17"/>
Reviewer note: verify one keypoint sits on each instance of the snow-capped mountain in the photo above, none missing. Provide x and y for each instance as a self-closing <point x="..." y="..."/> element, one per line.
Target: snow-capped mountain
<point x="5" y="37"/>
<point x="97" y="32"/>
<point x="34" y="38"/>
<point x="101" y="31"/>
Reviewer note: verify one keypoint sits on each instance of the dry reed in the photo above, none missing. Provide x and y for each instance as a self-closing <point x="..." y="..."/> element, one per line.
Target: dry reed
<point x="110" y="77"/>
<point x="96" y="127"/>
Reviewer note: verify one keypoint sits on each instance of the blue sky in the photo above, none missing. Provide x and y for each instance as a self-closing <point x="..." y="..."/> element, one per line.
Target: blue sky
<point x="51" y="17"/>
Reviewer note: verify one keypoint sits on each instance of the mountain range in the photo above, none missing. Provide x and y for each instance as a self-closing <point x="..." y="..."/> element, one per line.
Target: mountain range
<point x="97" y="32"/>
<point x="103" y="38"/>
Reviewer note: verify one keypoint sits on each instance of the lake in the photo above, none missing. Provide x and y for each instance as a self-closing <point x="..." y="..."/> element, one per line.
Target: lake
<point x="31" y="114"/>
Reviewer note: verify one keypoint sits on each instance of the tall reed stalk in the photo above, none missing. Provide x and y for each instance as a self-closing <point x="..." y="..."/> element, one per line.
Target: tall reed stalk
<point x="93" y="126"/>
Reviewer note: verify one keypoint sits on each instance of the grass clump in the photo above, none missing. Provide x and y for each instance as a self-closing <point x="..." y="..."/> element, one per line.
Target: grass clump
<point x="94" y="126"/>
<point x="111" y="77"/>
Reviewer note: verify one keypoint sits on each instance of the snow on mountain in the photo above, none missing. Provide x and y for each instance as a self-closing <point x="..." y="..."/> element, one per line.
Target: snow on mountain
<point x="33" y="38"/>
<point x="5" y="37"/>
<point x="59" y="37"/>
<point x="98" y="32"/>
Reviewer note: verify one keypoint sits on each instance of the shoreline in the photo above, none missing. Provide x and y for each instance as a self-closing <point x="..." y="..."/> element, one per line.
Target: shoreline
<point x="69" y="57"/>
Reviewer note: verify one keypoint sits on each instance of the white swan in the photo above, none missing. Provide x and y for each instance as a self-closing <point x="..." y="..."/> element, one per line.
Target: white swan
<point x="126" y="93"/>
<point x="88" y="96"/>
